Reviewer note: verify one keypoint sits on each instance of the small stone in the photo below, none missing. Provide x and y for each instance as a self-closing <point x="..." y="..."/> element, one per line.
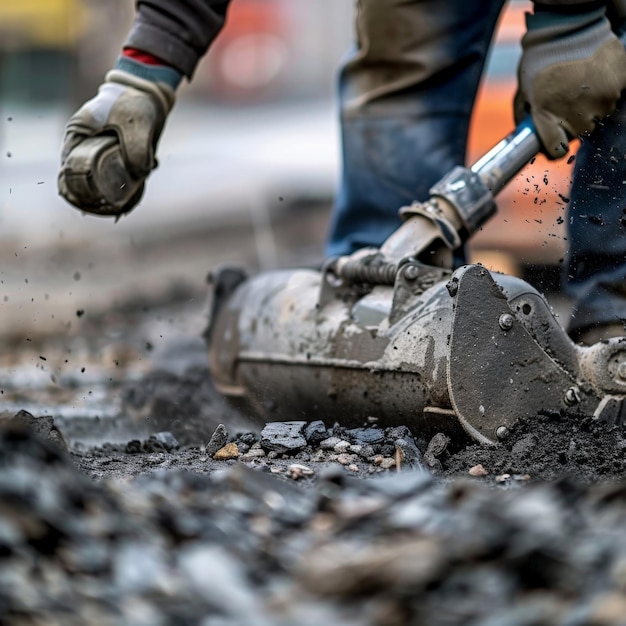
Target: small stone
<point x="353" y="467"/>
<point x="248" y="438"/>
<point x="253" y="453"/>
<point x="502" y="478"/>
<point x="366" y="435"/>
<point x="133" y="447"/>
<point x="398" y="432"/>
<point x="478" y="470"/>
<point x="408" y="453"/>
<point x="229" y="451"/>
<point x="296" y="471"/>
<point x="315" y="432"/>
<point x="388" y="463"/>
<point x="345" y="459"/>
<point x="167" y="440"/>
<point x="218" y="440"/>
<point x="365" y="452"/>
<point x="330" y="443"/>
<point x="341" y="447"/>
<point x="283" y="437"/>
<point x="436" y="448"/>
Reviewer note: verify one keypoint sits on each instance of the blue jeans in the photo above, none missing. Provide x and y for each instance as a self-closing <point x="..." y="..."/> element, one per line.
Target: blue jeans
<point x="406" y="93"/>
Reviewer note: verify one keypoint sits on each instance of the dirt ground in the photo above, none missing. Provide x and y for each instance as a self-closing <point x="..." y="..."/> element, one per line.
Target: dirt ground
<point x="117" y="511"/>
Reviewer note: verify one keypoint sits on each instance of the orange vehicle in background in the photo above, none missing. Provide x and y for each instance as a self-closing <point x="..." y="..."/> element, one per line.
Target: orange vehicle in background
<point x="529" y="228"/>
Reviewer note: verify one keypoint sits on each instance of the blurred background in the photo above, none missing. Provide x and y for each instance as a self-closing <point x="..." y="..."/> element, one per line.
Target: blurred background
<point x="249" y="160"/>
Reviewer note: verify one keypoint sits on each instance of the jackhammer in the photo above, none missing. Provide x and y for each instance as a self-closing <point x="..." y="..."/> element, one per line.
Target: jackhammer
<point x="393" y="334"/>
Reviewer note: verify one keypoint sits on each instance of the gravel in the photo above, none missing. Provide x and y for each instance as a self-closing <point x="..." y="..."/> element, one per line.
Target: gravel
<point x="246" y="545"/>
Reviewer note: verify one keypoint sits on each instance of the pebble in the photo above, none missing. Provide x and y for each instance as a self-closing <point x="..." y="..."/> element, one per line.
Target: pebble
<point x="477" y="471"/>
<point x="296" y="471"/>
<point x="283" y="437"/>
<point x="218" y="440"/>
<point x="167" y="440"/>
<point x="436" y="448"/>
<point x="229" y="451"/>
<point x="331" y="443"/>
<point x="387" y="463"/>
<point x="341" y="446"/>
<point x="408" y="453"/>
<point x="254" y="453"/>
<point x="247" y="546"/>
<point x="366" y="435"/>
<point x="346" y="459"/>
<point x="315" y="432"/>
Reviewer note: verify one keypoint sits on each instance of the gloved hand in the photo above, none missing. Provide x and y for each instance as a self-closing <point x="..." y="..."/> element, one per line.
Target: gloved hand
<point x="106" y="176"/>
<point x="571" y="74"/>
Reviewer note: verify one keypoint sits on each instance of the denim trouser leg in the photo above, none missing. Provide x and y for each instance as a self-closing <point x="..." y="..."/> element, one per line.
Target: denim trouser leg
<point x="595" y="269"/>
<point x="406" y="94"/>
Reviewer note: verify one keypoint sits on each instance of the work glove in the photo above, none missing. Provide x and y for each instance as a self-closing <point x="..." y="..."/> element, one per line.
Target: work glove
<point x="571" y="74"/>
<point x="110" y="142"/>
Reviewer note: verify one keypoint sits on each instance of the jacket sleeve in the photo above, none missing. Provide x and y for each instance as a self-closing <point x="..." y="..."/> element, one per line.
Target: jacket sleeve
<point x="177" y="31"/>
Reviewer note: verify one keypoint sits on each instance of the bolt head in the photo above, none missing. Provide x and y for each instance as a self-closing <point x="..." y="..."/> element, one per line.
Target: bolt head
<point x="411" y="272"/>
<point x="572" y="396"/>
<point x="502" y="432"/>
<point x="506" y="321"/>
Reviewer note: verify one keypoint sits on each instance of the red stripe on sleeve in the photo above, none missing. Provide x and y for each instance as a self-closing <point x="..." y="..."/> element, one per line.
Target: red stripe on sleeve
<point x="142" y="57"/>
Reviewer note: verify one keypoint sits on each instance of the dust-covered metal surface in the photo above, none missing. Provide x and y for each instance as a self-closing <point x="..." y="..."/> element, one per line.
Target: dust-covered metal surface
<point x="485" y="349"/>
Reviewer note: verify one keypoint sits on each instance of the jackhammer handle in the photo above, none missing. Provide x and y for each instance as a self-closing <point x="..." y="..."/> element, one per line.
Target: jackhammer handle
<point x="504" y="161"/>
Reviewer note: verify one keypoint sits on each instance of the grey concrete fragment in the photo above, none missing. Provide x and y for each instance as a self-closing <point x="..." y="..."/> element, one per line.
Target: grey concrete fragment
<point x="283" y="437"/>
<point x="436" y="448"/>
<point x="218" y="440"/>
<point x="409" y="454"/>
<point x="315" y="432"/>
<point x="167" y="440"/>
<point x="331" y="443"/>
<point x="366" y="435"/>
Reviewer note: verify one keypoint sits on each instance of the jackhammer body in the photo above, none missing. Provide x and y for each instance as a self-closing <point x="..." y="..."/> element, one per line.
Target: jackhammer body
<point x="394" y="334"/>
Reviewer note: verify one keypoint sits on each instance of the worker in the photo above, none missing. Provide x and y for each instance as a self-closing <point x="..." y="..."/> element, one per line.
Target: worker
<point x="406" y="93"/>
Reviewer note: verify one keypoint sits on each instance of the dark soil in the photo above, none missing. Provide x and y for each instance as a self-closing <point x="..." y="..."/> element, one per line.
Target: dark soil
<point x="549" y="447"/>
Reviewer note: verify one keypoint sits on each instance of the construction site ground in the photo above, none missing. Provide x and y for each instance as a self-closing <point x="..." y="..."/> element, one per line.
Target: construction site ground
<point x="117" y="512"/>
